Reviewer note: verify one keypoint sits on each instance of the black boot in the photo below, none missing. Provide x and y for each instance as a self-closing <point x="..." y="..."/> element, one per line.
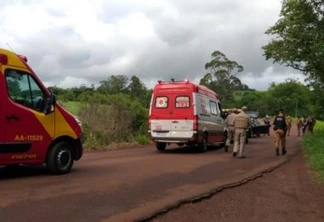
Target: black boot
<point x="284" y="151"/>
<point x="277" y="152"/>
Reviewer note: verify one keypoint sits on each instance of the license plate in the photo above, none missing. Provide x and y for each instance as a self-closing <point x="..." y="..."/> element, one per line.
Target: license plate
<point x="161" y="134"/>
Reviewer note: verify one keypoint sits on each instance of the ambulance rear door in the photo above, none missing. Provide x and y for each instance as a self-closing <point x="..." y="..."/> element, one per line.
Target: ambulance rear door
<point x="182" y="115"/>
<point x="160" y="115"/>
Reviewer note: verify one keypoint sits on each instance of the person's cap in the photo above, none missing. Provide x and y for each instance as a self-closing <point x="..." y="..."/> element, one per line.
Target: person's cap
<point x="244" y="108"/>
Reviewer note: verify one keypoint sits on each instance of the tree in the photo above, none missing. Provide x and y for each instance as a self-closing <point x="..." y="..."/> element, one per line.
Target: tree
<point x="113" y="85"/>
<point x="136" y="89"/>
<point x="299" y="38"/>
<point x="291" y="96"/>
<point x="221" y="76"/>
<point x="317" y="100"/>
<point x="257" y="101"/>
<point x="14" y="88"/>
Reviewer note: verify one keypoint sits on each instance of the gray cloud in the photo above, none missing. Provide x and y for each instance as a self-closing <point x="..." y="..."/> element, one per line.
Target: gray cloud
<point x="163" y="39"/>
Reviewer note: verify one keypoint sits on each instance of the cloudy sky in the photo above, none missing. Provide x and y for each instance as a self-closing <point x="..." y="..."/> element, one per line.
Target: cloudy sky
<point x="74" y="42"/>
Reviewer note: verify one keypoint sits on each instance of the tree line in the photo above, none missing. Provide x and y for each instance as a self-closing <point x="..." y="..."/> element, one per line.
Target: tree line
<point x="296" y="98"/>
<point x="117" y="109"/>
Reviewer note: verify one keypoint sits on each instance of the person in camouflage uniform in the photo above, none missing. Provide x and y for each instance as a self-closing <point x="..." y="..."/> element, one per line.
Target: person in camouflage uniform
<point x="299" y="124"/>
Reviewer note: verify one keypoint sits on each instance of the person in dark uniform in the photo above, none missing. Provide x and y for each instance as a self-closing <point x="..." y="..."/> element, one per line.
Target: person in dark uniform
<point x="280" y="129"/>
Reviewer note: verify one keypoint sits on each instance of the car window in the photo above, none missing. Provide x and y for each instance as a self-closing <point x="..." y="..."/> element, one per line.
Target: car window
<point x="24" y="90"/>
<point x="213" y="108"/>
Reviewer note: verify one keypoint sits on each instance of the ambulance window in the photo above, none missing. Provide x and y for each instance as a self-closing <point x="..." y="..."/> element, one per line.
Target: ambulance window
<point x="182" y="102"/>
<point x="161" y="102"/>
<point x="23" y="89"/>
<point x="213" y="108"/>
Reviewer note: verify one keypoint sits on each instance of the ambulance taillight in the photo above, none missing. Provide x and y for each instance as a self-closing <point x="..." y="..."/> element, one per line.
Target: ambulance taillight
<point x="195" y="123"/>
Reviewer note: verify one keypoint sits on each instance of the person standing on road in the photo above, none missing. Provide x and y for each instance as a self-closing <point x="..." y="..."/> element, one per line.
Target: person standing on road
<point x="310" y="124"/>
<point x="304" y="126"/>
<point x="280" y="128"/>
<point x="288" y="125"/>
<point x="241" y="122"/>
<point x="299" y="124"/>
<point x="230" y="128"/>
<point x="267" y="120"/>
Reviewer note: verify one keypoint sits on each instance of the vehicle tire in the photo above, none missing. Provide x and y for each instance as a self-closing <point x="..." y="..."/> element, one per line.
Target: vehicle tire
<point x="180" y="144"/>
<point x="203" y="145"/>
<point x="60" y="159"/>
<point x="246" y="140"/>
<point x="225" y="148"/>
<point x="160" y="146"/>
<point x="12" y="166"/>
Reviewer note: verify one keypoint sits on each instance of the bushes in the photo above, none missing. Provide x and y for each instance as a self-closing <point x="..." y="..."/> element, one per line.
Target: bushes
<point x="113" y="119"/>
<point x="313" y="146"/>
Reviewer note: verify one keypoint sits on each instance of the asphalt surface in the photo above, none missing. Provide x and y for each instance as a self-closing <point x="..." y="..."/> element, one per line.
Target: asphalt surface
<point x="289" y="193"/>
<point x="123" y="185"/>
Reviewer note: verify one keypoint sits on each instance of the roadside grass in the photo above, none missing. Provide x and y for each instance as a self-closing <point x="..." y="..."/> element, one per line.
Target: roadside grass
<point x="94" y="124"/>
<point x="313" y="147"/>
<point x="72" y="106"/>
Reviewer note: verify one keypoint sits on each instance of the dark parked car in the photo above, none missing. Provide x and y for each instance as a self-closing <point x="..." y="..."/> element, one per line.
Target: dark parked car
<point x="256" y="129"/>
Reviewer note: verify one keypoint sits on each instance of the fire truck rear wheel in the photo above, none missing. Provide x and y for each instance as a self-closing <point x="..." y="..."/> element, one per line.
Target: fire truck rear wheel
<point x="60" y="159"/>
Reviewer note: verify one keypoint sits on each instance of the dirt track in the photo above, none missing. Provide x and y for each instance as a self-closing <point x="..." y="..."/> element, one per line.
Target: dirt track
<point x="123" y="185"/>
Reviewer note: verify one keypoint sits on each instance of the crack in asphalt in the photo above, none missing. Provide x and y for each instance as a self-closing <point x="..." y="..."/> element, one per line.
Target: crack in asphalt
<point x="213" y="192"/>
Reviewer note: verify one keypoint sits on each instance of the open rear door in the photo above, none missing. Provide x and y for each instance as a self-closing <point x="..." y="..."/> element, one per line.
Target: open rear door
<point x="160" y="116"/>
<point x="182" y="115"/>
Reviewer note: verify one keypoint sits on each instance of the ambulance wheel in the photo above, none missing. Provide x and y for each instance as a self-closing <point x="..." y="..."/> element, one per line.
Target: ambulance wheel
<point x="160" y="146"/>
<point x="180" y="144"/>
<point x="203" y="145"/>
<point x="59" y="159"/>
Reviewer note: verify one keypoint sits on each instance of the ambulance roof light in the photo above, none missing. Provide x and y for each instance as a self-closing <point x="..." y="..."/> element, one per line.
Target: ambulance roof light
<point x="23" y="58"/>
<point x="159" y="81"/>
<point x="186" y="81"/>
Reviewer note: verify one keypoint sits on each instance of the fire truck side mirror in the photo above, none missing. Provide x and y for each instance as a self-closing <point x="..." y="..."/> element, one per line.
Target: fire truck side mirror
<point x="50" y="104"/>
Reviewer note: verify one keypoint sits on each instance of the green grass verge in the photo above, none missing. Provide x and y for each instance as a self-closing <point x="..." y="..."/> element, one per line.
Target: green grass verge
<point x="72" y="106"/>
<point x="90" y="144"/>
<point x="313" y="147"/>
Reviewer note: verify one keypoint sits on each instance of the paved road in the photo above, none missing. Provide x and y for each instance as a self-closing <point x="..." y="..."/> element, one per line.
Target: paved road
<point x="122" y="185"/>
<point x="289" y="193"/>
